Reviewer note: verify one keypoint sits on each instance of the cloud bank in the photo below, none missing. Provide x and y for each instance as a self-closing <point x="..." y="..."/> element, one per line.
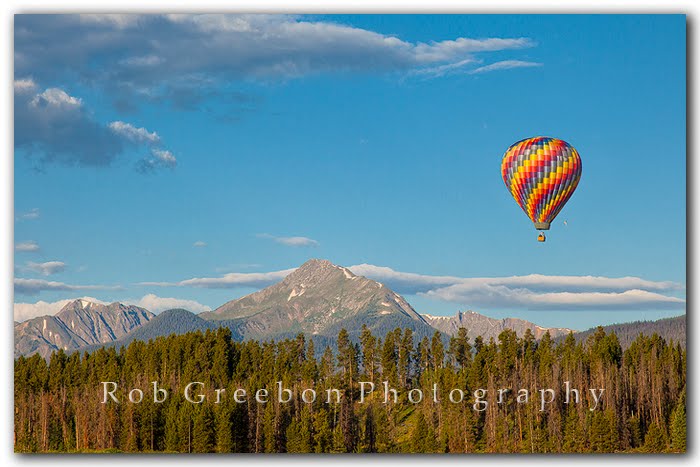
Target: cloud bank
<point x="35" y="286"/>
<point x="151" y="302"/>
<point x="533" y="291"/>
<point x="412" y="283"/>
<point x="228" y="281"/>
<point x="142" y="57"/>
<point x="191" y="62"/>
<point x="53" y="127"/>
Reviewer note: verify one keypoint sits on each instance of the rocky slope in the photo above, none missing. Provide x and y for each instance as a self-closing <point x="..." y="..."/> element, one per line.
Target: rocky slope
<point x="79" y="324"/>
<point x="318" y="298"/>
<point x="480" y="325"/>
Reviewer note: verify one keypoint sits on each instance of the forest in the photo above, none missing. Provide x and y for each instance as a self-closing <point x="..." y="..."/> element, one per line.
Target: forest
<point x="59" y="403"/>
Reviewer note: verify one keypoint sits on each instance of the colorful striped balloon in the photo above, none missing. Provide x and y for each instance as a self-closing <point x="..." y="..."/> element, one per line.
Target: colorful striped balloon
<point x="541" y="173"/>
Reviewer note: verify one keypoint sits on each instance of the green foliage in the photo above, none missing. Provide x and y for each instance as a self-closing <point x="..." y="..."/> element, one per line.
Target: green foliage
<point x="655" y="439"/>
<point x="58" y="404"/>
<point x="678" y="426"/>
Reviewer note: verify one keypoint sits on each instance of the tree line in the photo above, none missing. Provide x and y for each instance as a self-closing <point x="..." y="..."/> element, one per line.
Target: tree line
<point x="59" y="404"/>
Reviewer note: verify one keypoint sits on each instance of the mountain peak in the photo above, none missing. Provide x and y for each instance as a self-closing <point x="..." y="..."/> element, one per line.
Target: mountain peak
<point x="80" y="322"/>
<point x="316" y="271"/>
<point x="318" y="297"/>
<point x="316" y="263"/>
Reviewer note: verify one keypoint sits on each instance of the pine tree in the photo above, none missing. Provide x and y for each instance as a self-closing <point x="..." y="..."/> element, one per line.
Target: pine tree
<point x="57" y="407"/>
<point x="390" y="359"/>
<point x="369" y="349"/>
<point x="655" y="440"/>
<point x="460" y="348"/>
<point x="294" y="440"/>
<point x="172" y="443"/>
<point x="437" y="350"/>
<point x="419" y="435"/>
<point x="203" y="430"/>
<point x="678" y="426"/>
<point x="224" y="429"/>
<point x="324" y="432"/>
<point x="405" y="356"/>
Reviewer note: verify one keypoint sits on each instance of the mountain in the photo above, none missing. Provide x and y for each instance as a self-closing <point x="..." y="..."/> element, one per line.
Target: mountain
<point x="480" y="325"/>
<point x="175" y="321"/>
<point x="79" y="323"/>
<point x="320" y="298"/>
<point x="670" y="329"/>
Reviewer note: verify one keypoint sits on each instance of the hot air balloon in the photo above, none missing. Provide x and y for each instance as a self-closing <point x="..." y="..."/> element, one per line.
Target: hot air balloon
<point x="541" y="173"/>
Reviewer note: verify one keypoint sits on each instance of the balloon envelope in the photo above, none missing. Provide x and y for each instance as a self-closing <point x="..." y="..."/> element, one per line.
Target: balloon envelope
<point x="541" y="173"/>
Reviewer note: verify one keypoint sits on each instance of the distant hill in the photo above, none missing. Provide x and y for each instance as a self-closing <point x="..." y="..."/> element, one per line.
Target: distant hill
<point x="175" y="321"/>
<point x="80" y="323"/>
<point x="667" y="328"/>
<point x="479" y="325"/>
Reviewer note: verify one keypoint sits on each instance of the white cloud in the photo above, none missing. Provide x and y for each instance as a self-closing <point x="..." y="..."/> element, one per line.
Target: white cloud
<point x="403" y="282"/>
<point x="505" y="65"/>
<point x="229" y="281"/>
<point x="55" y="127"/>
<point x="28" y="246"/>
<point x="412" y="283"/>
<point x="442" y="70"/>
<point x="159" y="159"/>
<point x="451" y="50"/>
<point x="199" y="244"/>
<point x="57" y="98"/>
<point x="503" y="297"/>
<point x="291" y="241"/>
<point x="32" y="214"/>
<point x="166" y="158"/>
<point x="533" y="291"/>
<point x="25" y="311"/>
<point x="46" y="269"/>
<point x="298" y="46"/>
<point x="145" y="52"/>
<point x="142" y="61"/>
<point x="156" y="304"/>
<point x="132" y="133"/>
<point x="26" y="85"/>
<point x="119" y="21"/>
<point x="35" y="286"/>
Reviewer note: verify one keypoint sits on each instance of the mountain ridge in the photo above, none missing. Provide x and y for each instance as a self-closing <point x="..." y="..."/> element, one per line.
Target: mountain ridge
<point x="486" y="327"/>
<point x="78" y="324"/>
<point x="318" y="298"/>
<point x="172" y="321"/>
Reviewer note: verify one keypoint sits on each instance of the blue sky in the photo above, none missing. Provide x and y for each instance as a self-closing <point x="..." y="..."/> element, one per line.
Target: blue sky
<point x="375" y="139"/>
